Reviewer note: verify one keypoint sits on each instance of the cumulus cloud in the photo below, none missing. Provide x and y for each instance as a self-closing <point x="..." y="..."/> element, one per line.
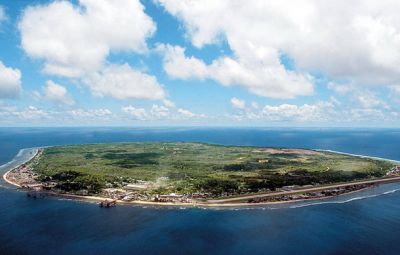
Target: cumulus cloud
<point x="168" y="103"/>
<point x="10" y="81"/>
<point x="356" y="41"/>
<point x="289" y="112"/>
<point x="263" y="78"/>
<point x="156" y="112"/>
<point x="368" y="115"/>
<point x="33" y="115"/>
<point x="238" y="103"/>
<point x="76" y="39"/>
<point x="186" y="113"/>
<point x="395" y="89"/>
<point x="254" y="105"/>
<point x="368" y="109"/>
<point x="82" y="114"/>
<point x="319" y="112"/>
<point x="178" y="66"/>
<point x="340" y="88"/>
<point x="124" y="82"/>
<point x="136" y="113"/>
<point x="3" y="15"/>
<point x="364" y="98"/>
<point x="55" y="93"/>
<point x="30" y="113"/>
<point x="159" y="112"/>
<point x="367" y="99"/>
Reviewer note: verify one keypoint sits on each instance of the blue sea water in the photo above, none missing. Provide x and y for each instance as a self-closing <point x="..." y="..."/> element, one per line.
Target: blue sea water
<point x="366" y="222"/>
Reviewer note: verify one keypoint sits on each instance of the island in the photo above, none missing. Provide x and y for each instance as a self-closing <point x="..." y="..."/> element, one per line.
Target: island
<point x="181" y="173"/>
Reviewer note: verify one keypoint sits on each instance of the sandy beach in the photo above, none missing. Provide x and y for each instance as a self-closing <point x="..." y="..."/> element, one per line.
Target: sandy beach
<point x="197" y="204"/>
<point x="5" y="175"/>
<point x="9" y="181"/>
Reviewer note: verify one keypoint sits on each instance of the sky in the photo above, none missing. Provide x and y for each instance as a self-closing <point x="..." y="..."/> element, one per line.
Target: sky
<point x="200" y="63"/>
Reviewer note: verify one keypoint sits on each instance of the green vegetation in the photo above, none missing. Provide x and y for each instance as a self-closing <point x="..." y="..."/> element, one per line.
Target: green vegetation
<point x="196" y="167"/>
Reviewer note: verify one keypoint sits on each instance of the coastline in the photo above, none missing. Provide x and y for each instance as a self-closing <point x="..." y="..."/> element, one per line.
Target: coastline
<point x="5" y="175"/>
<point x="199" y="204"/>
<point x="360" y="156"/>
<point x="216" y="202"/>
<point x="9" y="181"/>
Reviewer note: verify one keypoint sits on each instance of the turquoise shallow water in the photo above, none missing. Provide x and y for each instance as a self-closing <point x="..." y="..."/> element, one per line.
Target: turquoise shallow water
<point x="367" y="222"/>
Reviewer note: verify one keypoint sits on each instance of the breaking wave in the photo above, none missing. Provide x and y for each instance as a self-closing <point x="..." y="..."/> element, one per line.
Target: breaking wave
<point x="347" y="200"/>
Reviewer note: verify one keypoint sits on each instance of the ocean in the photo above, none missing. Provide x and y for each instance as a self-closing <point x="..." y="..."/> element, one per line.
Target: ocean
<point x="366" y="222"/>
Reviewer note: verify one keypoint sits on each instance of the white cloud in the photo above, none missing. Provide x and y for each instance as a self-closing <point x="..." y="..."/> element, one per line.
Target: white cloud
<point x="55" y="93"/>
<point x="367" y="99"/>
<point x="355" y="40"/>
<point x="321" y="111"/>
<point x="364" y="98"/>
<point x="160" y="112"/>
<point x="263" y="78"/>
<point x="136" y="113"/>
<point x="10" y="82"/>
<point x="395" y="89"/>
<point x="3" y="15"/>
<point x="341" y="88"/>
<point x="13" y="115"/>
<point x="124" y="82"/>
<point x="186" y="113"/>
<point x="76" y="39"/>
<point x="82" y="114"/>
<point x="334" y="100"/>
<point x="30" y="113"/>
<point x="168" y="103"/>
<point x="156" y="112"/>
<point x="254" y="105"/>
<point x="178" y="66"/>
<point x="367" y="115"/>
<point x="368" y="109"/>
<point x="306" y="112"/>
<point x="238" y="103"/>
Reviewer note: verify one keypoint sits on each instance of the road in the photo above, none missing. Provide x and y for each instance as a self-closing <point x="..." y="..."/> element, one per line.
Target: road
<point x="313" y="189"/>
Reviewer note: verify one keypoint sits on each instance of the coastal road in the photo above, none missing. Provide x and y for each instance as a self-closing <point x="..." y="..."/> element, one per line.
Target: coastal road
<point x="299" y="191"/>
